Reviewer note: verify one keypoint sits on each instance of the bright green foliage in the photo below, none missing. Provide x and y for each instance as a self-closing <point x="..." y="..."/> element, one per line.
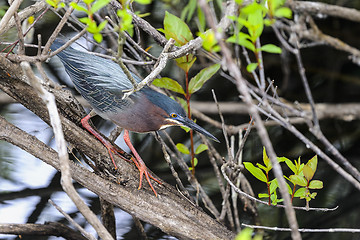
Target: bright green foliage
<point x="246" y="234"/>
<point x="126" y="21"/>
<point x="56" y="3"/>
<point x="270" y="48"/>
<point x="188" y="10"/>
<point x="176" y="29"/>
<point x="182" y="148"/>
<point x="261" y="172"/>
<point x="195" y="164"/>
<point x="209" y="42"/>
<point x="302" y="177"/>
<point x="253" y="18"/>
<point x="92" y="7"/>
<point x="201" y="148"/>
<point x="185" y="150"/>
<point x="188" y="13"/>
<point x="276" y="9"/>
<point x="143" y="2"/>
<point x="256" y="172"/>
<point x="251" y="67"/>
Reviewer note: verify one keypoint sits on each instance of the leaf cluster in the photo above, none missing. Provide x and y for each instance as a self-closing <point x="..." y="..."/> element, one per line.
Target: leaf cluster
<point x="92" y="7"/>
<point x="253" y="18"/>
<point x="301" y="179"/>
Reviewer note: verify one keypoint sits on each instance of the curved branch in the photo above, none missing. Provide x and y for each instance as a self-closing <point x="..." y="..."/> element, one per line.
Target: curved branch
<point x="171" y="208"/>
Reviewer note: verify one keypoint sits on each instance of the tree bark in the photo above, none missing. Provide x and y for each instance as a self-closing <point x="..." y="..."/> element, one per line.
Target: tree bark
<point x="170" y="211"/>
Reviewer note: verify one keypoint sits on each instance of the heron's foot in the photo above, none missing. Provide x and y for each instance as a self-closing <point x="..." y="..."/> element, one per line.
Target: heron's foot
<point x="144" y="171"/>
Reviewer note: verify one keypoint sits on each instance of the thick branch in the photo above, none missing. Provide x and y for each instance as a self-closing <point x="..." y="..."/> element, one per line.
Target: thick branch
<point x="168" y="211"/>
<point x="47" y="229"/>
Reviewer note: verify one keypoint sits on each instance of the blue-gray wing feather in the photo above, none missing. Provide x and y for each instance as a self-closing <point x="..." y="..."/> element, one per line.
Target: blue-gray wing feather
<point x="100" y="81"/>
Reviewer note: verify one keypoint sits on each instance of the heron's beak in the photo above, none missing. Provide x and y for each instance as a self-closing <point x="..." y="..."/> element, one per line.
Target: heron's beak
<point x="190" y="124"/>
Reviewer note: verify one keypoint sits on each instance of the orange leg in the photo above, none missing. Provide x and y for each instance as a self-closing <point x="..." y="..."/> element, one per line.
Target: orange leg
<point x="111" y="149"/>
<point x="139" y="163"/>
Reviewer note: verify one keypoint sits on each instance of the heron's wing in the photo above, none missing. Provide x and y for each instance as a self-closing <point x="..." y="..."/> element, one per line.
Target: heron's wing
<point x="100" y="81"/>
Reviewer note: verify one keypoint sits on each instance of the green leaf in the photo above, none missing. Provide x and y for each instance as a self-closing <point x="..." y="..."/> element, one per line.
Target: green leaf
<point x="256" y="22"/>
<point x="245" y="234"/>
<point x="92" y="27"/>
<point x="273" y="198"/>
<point x="195" y="161"/>
<point x="283" y="12"/>
<point x="201" y="148"/>
<point x="85" y="20"/>
<point x="242" y="42"/>
<point x="202" y="20"/>
<point x="204" y="75"/>
<point x="169" y="84"/>
<point x="316" y="184"/>
<point x="262" y="167"/>
<point x="312" y="163"/>
<point x="300" y="192"/>
<point x="256" y="172"/>
<point x="177" y="29"/>
<point x="209" y="42"/>
<point x="182" y="148"/>
<point x="98" y="37"/>
<point x="263" y="195"/>
<point x="251" y="67"/>
<point x="195" y="164"/>
<point x="281" y="159"/>
<point x="289" y="188"/>
<point x="271" y="48"/>
<point x="98" y="5"/>
<point x="143" y="2"/>
<point x="273" y="185"/>
<point x="88" y="2"/>
<point x="185" y="62"/>
<point x="182" y="102"/>
<point x="292" y="167"/>
<point x="78" y="7"/>
<point x="313" y="195"/>
<point x="126" y="21"/>
<point x="50" y="2"/>
<point x="102" y="25"/>
<point x="298" y="180"/>
<point x="308" y="172"/>
<point x="266" y="160"/>
<point x="189" y="10"/>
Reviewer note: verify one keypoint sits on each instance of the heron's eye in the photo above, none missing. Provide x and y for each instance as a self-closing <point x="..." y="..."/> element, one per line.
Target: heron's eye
<point x="173" y="115"/>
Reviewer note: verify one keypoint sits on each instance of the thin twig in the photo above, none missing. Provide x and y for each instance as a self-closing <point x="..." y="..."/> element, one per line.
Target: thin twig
<point x="328" y="230"/>
<point x="66" y="180"/>
<point x="72" y="221"/>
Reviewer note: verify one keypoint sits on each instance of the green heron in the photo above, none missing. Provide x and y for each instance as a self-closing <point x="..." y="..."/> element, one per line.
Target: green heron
<point x="102" y="82"/>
